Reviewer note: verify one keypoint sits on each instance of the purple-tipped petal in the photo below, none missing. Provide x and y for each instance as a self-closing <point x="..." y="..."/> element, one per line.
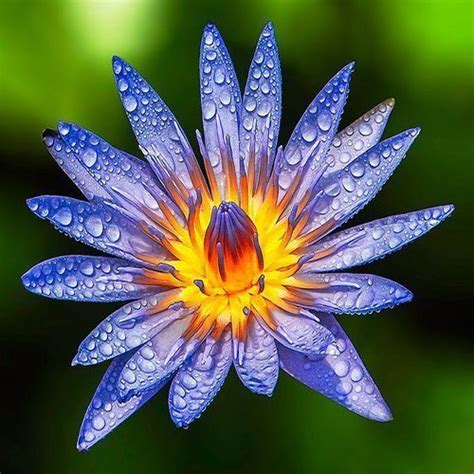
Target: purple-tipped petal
<point x="343" y="193"/>
<point x="353" y="293"/>
<point x="260" y="365"/>
<point x="74" y="168"/>
<point x="364" y="243"/>
<point x="220" y="98"/>
<point x="300" y="333"/>
<point x="96" y="225"/>
<point x="159" y="134"/>
<point x="84" y="278"/>
<point x="262" y="96"/>
<point x="359" y="136"/>
<point x="157" y="359"/>
<point x="314" y="133"/>
<point x="199" y="380"/>
<point x="106" y="411"/>
<point x="130" y="326"/>
<point x="341" y="377"/>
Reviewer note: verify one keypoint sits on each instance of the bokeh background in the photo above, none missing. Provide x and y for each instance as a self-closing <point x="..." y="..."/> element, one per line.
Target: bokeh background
<point x="55" y="65"/>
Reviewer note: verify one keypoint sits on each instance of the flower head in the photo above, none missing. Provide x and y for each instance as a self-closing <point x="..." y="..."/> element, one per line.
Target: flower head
<point x="233" y="264"/>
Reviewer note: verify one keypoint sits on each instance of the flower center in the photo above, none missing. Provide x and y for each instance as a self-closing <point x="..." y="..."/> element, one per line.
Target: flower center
<point x="234" y="259"/>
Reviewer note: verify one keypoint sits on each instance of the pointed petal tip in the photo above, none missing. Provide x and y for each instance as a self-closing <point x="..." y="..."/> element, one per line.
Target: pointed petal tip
<point x="177" y="421"/>
<point x="390" y="102"/>
<point x="443" y="212"/>
<point x="380" y="412"/>
<point x="407" y="297"/>
<point x="48" y="133"/>
<point x="33" y="204"/>
<point x="81" y="446"/>
<point x="268" y="393"/>
<point x="118" y="64"/>
<point x="269" y="27"/>
<point x="210" y="27"/>
<point x="448" y="209"/>
<point x="117" y="59"/>
<point x="25" y="281"/>
<point x="345" y="73"/>
<point x="64" y="127"/>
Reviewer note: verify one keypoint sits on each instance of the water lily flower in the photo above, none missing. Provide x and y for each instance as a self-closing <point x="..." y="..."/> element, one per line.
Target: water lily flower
<point x="240" y="263"/>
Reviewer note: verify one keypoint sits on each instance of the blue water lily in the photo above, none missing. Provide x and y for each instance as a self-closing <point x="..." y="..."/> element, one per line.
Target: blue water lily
<point x="236" y="263"/>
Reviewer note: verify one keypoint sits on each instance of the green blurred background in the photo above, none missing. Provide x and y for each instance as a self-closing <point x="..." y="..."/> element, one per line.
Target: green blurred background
<point x="55" y="65"/>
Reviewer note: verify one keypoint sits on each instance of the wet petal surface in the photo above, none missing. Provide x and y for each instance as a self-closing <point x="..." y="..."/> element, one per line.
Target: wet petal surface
<point x="159" y="134"/>
<point x="313" y="135"/>
<point x="83" y="278"/>
<point x="106" y="411"/>
<point x="342" y="378"/>
<point x="130" y="326"/>
<point x="359" y="136"/>
<point x="262" y="97"/>
<point x="342" y="194"/>
<point x="260" y="365"/>
<point x="353" y="293"/>
<point x="220" y="99"/>
<point x="363" y="244"/>
<point x="300" y="333"/>
<point x="199" y="380"/>
<point x="157" y="359"/>
<point x="97" y="225"/>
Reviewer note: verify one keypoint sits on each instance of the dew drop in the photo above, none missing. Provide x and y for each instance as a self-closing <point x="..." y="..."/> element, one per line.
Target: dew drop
<point x="324" y="120"/>
<point x="130" y="103"/>
<point x="365" y="129"/>
<point x="94" y="226"/>
<point x="63" y="216"/>
<point x="208" y="109"/>
<point x="309" y="132"/>
<point x="89" y="157"/>
<point x="98" y="423"/>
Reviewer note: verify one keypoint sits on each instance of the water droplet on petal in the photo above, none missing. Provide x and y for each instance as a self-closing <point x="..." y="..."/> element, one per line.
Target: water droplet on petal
<point x="94" y="226"/>
<point x="89" y="157"/>
<point x="324" y="120"/>
<point x="130" y="103"/>
<point x="63" y="216"/>
<point x="208" y="109"/>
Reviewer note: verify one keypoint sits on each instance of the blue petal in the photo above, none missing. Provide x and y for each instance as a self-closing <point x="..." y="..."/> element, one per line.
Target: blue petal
<point x="364" y="243"/>
<point x="106" y="411"/>
<point x="157" y="130"/>
<point x="343" y="193"/>
<point x="94" y="224"/>
<point x="359" y="136"/>
<point x="220" y="98"/>
<point x="66" y="159"/>
<point x="314" y="133"/>
<point x="262" y="96"/>
<point x="342" y="377"/>
<point x="157" y="359"/>
<point x="300" y="333"/>
<point x="355" y="293"/>
<point x="199" y="380"/>
<point x="130" y="326"/>
<point x="83" y="278"/>
<point x="118" y="173"/>
<point x="260" y="365"/>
